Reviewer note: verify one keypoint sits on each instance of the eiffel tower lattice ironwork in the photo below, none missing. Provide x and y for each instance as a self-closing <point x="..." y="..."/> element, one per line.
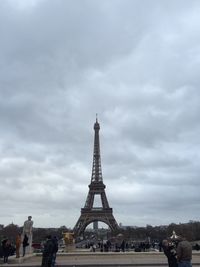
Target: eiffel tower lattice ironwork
<point x="90" y="213"/>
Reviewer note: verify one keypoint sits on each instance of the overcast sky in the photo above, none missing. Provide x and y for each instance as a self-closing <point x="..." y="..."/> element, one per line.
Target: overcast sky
<point x="136" y="64"/>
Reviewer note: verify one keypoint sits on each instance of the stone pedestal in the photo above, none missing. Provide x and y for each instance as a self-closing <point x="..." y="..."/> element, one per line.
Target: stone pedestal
<point x="70" y="248"/>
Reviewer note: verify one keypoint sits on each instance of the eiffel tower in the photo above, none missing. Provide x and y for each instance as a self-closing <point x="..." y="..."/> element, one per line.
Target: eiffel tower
<point x="90" y="213"/>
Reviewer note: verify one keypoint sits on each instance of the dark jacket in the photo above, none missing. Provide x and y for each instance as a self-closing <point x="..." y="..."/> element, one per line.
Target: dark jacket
<point x="170" y="253"/>
<point x="55" y="245"/>
<point x="48" y="248"/>
<point x="25" y="241"/>
<point x="47" y="254"/>
<point x="6" y="247"/>
<point x="184" y="251"/>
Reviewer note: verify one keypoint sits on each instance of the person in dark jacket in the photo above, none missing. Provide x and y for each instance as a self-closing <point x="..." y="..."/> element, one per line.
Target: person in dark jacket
<point x="170" y="252"/>
<point x="25" y="244"/>
<point x="47" y="255"/>
<point x="6" y="247"/>
<point x="55" y="250"/>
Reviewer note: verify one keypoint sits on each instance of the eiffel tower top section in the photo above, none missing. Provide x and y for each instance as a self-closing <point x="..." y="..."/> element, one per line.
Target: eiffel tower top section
<point x="96" y="167"/>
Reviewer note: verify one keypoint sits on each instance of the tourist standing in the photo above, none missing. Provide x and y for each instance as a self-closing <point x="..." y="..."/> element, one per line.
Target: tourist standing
<point x="184" y="253"/>
<point x="55" y="250"/>
<point x="25" y="244"/>
<point x="6" y="247"/>
<point x="170" y="252"/>
<point x="47" y="255"/>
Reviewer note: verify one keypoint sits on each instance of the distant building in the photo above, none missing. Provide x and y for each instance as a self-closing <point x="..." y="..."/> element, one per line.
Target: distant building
<point x="125" y="227"/>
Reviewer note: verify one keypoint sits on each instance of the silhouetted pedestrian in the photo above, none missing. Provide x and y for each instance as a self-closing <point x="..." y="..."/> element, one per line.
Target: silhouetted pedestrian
<point x="25" y="244"/>
<point x="170" y="252"/>
<point x="47" y="254"/>
<point x="6" y="247"/>
<point x="55" y="250"/>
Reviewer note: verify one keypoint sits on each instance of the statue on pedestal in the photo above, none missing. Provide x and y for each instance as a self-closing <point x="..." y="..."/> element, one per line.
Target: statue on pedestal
<point x="27" y="231"/>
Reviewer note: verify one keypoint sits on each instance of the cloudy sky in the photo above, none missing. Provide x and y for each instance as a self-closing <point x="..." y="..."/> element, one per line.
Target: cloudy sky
<point x="135" y="63"/>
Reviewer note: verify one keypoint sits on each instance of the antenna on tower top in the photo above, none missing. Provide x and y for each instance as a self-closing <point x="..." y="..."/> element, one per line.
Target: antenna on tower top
<point x="96" y="117"/>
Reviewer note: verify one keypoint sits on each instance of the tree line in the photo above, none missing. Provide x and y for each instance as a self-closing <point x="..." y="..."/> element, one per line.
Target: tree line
<point x="190" y="230"/>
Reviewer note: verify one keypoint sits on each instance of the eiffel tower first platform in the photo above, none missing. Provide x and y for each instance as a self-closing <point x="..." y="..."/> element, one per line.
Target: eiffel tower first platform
<point x="91" y="214"/>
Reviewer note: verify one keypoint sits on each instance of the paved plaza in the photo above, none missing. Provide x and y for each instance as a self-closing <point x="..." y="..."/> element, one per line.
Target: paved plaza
<point x="111" y="259"/>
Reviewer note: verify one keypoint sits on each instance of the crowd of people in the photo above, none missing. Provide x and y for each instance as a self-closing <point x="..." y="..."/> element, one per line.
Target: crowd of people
<point x="50" y="248"/>
<point x="123" y="246"/>
<point x="178" y="252"/>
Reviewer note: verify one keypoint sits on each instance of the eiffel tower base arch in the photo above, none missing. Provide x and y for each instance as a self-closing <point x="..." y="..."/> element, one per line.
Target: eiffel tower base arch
<point x="96" y="214"/>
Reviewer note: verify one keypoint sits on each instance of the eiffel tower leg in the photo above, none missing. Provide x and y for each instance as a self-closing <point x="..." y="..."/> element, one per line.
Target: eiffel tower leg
<point x="79" y="227"/>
